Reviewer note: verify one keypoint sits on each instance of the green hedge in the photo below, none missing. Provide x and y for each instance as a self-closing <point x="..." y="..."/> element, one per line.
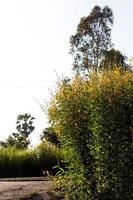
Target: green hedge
<point x="26" y="163"/>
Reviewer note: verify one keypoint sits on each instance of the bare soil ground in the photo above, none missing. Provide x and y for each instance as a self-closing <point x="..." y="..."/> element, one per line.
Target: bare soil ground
<point x="22" y="190"/>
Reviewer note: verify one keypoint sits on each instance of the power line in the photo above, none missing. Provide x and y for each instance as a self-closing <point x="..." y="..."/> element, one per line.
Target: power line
<point x="18" y="84"/>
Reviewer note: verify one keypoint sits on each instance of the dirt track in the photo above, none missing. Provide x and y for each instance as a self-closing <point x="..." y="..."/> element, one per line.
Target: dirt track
<point x="18" y="190"/>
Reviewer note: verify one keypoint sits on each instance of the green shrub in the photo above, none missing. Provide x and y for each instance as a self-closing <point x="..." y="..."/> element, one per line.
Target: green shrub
<point x="50" y="157"/>
<point x="94" y="120"/>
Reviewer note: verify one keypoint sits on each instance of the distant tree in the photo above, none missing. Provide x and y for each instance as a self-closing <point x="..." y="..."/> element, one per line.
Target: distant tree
<point x="49" y="135"/>
<point x="92" y="39"/>
<point x="9" y="142"/>
<point x="25" y="124"/>
<point x="3" y="144"/>
<point x="24" y="128"/>
<point x="114" y="59"/>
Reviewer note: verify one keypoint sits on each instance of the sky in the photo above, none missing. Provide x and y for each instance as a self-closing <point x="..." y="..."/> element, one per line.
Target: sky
<point x="34" y="51"/>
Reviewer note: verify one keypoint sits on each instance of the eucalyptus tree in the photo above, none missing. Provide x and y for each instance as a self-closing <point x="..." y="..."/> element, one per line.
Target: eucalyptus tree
<point x="92" y="39"/>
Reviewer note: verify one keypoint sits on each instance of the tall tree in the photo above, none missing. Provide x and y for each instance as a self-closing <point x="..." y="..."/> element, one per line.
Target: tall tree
<point x="92" y="39"/>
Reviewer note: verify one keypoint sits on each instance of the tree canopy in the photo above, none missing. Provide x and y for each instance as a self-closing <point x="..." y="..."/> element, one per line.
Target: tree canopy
<point x="114" y="59"/>
<point x="92" y="39"/>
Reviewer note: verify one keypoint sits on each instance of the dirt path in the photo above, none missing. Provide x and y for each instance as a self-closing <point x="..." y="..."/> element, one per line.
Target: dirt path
<point x="21" y="189"/>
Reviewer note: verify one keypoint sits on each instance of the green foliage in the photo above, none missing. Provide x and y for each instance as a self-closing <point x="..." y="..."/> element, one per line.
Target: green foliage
<point x="20" y="139"/>
<point x="92" y="39"/>
<point x="25" y="124"/>
<point x="113" y="59"/>
<point x="49" y="135"/>
<point x="94" y="120"/>
<point x="18" y="163"/>
<point x="25" y="163"/>
<point x="50" y="157"/>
